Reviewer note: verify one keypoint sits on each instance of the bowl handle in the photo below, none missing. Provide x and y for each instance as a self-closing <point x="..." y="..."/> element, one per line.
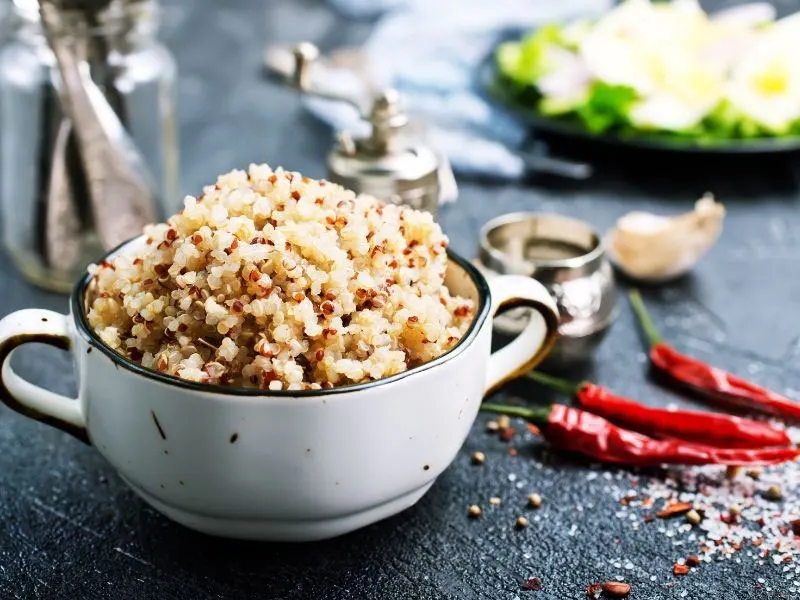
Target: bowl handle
<point x="535" y="341"/>
<point x="46" y="327"/>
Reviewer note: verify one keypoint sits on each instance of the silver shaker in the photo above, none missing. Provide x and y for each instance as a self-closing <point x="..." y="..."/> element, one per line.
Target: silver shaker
<point x="393" y="162"/>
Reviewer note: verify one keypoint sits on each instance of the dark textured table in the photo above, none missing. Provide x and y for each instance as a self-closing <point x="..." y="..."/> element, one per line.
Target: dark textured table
<point x="69" y="528"/>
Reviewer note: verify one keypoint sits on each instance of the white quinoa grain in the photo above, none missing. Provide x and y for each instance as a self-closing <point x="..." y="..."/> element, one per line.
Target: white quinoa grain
<point x="276" y="281"/>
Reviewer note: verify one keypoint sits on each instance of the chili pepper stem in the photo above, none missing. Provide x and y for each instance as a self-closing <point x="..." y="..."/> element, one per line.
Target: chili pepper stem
<point x="570" y="388"/>
<point x="645" y="321"/>
<point x="538" y="415"/>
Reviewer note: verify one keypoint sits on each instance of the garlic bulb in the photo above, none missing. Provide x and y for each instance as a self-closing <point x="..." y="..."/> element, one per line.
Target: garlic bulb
<point x="656" y="248"/>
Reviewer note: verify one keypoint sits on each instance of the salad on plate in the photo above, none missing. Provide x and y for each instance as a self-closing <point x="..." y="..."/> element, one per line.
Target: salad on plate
<point x="664" y="69"/>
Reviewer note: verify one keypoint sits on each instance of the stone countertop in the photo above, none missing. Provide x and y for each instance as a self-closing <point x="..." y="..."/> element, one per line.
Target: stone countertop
<point x="69" y="527"/>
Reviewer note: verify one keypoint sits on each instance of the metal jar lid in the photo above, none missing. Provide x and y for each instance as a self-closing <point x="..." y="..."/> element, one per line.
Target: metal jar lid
<point x="567" y="257"/>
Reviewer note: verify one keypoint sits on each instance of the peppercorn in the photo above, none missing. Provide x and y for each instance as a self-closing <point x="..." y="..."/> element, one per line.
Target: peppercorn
<point x="535" y="500"/>
<point x="478" y="458"/>
<point x="521" y="522"/>
<point x="474" y="511"/>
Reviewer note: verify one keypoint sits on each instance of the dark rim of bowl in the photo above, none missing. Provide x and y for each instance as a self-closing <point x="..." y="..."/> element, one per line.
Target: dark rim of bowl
<point x="83" y="328"/>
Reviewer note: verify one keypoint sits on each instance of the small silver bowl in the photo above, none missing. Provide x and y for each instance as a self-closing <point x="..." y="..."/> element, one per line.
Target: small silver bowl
<point x="565" y="255"/>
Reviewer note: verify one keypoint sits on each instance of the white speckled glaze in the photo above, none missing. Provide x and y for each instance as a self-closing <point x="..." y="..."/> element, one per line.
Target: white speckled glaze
<point x="279" y="466"/>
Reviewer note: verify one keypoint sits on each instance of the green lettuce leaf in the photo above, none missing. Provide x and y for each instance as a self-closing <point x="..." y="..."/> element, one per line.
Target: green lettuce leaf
<point x="606" y="106"/>
<point x="526" y="61"/>
<point x="554" y="107"/>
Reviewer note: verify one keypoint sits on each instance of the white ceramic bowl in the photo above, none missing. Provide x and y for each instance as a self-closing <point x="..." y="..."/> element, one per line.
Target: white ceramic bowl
<point x="307" y="465"/>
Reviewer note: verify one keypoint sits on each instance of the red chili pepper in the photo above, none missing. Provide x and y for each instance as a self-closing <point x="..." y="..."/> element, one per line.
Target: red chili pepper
<point x="708" y="381"/>
<point x="579" y="431"/>
<point x="710" y="429"/>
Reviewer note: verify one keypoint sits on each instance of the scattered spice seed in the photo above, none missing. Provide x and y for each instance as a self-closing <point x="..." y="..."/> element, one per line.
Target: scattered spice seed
<point x="478" y="458"/>
<point x="533" y="584"/>
<point x="693" y="560"/>
<point x="616" y="589"/>
<point x="504" y="422"/>
<point x="474" y="511"/>
<point x="774" y="493"/>
<point x="734" y="511"/>
<point x="754" y="474"/>
<point x="679" y="570"/>
<point x="521" y="522"/>
<point x="732" y="472"/>
<point x="795" y="526"/>
<point x="674" y="509"/>
<point x="512" y="452"/>
<point x="507" y="433"/>
<point x="495" y="501"/>
<point x="535" y="500"/>
<point x="693" y="517"/>
<point x="492" y="426"/>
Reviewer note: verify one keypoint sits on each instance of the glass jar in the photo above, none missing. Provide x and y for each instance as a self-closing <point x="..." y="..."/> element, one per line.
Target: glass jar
<point x="37" y="150"/>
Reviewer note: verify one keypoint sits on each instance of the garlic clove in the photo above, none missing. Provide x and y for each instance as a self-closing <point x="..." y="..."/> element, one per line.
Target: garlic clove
<point x="656" y="248"/>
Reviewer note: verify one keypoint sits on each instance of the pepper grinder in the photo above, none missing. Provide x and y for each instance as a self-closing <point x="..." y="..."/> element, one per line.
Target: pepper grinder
<point x="389" y="163"/>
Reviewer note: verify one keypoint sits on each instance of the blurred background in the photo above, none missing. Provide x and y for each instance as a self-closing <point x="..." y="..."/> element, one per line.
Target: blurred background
<point x="164" y="96"/>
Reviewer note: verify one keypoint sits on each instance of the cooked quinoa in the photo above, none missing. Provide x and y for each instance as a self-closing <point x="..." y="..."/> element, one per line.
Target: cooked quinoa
<point x="277" y="281"/>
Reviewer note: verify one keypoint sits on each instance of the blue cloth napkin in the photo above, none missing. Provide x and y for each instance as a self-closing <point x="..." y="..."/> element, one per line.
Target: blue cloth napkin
<point x="430" y="51"/>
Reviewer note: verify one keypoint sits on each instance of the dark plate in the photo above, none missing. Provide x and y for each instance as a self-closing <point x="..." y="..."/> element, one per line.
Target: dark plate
<point x="497" y="87"/>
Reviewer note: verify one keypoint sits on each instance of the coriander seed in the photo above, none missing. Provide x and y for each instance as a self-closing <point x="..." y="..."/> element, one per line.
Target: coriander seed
<point x="474" y="511"/>
<point x="535" y="500"/>
<point x="478" y="458"/>
<point x="732" y="472"/>
<point x="774" y="492"/>
<point x="754" y="473"/>
<point x="522" y="522"/>
<point x="693" y="517"/>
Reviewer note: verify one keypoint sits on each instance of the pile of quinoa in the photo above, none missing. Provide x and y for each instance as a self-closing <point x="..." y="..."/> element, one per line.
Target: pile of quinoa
<point x="276" y="281"/>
